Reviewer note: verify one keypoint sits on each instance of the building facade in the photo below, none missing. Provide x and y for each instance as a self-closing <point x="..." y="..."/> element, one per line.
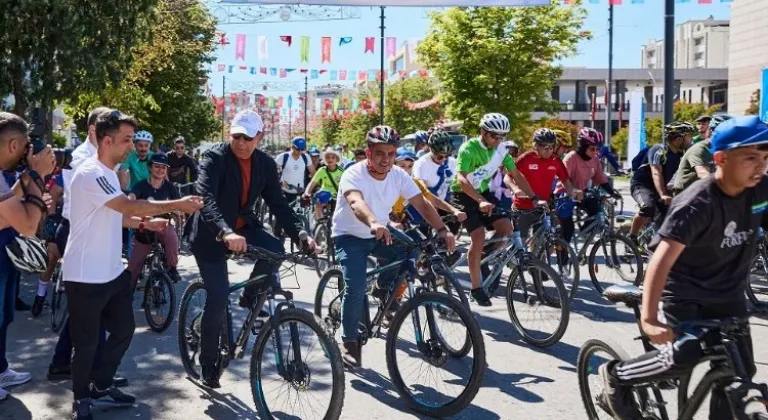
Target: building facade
<point x="699" y="44"/>
<point x="748" y="51"/>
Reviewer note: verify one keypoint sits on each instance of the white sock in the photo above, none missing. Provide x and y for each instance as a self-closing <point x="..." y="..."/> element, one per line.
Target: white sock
<point x="42" y="287"/>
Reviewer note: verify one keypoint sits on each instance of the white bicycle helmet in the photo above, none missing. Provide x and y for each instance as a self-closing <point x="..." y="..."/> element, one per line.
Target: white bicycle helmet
<point x="143" y="136"/>
<point x="495" y="123"/>
<point x="28" y="255"/>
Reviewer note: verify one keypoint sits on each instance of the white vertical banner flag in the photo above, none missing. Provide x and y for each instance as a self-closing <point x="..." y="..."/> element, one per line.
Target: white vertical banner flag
<point x="636" y="141"/>
<point x="263" y="48"/>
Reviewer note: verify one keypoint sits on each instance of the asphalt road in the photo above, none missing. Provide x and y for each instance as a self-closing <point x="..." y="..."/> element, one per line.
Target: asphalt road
<point x="521" y="381"/>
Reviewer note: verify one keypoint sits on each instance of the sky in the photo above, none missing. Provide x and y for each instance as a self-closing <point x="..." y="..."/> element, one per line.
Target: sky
<point x="635" y="25"/>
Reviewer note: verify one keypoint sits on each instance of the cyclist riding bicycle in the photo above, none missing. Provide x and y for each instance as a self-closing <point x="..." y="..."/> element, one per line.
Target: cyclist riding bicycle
<point x="437" y="168"/>
<point x="367" y="192"/>
<point x="656" y="167"/>
<point x="156" y="188"/>
<point x="294" y="166"/>
<point x="702" y="256"/>
<point x="182" y="168"/>
<point x="327" y="178"/>
<point x="421" y="139"/>
<point x="697" y="162"/>
<point x="479" y="159"/>
<point x="703" y="123"/>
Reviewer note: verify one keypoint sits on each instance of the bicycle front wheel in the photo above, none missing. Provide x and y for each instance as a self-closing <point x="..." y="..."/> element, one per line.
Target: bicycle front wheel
<point x="443" y="281"/>
<point x="559" y="255"/>
<point x="58" y="301"/>
<point x="620" y="256"/>
<point x="535" y="292"/>
<point x="757" y="290"/>
<point x="459" y="378"/>
<point x="298" y="366"/>
<point x="159" y="301"/>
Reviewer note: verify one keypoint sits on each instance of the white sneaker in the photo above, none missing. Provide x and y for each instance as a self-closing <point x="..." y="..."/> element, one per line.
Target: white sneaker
<point x="4" y="394"/>
<point x="11" y="378"/>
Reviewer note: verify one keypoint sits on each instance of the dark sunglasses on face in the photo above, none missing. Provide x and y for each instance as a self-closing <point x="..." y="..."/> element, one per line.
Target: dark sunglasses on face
<point x="546" y="147"/>
<point x="497" y="136"/>
<point x="242" y="137"/>
<point x="441" y="156"/>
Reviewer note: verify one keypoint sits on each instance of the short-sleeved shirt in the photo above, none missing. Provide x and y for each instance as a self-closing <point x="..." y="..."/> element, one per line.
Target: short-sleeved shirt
<point x="323" y="177"/>
<point x="581" y="172"/>
<point x="697" y="155"/>
<point x="481" y="163"/>
<point x="540" y="174"/>
<point x="379" y="195"/>
<point x="402" y="203"/>
<point x="94" y="248"/>
<point x="145" y="191"/>
<point x="430" y="172"/>
<point x="294" y="170"/>
<point x="138" y="169"/>
<point x="719" y="233"/>
<point x="83" y="152"/>
<point x="658" y="155"/>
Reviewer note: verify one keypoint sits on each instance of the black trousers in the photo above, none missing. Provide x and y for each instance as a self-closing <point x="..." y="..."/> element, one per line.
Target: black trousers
<point x="91" y="306"/>
<point x="685" y="353"/>
<point x="278" y="230"/>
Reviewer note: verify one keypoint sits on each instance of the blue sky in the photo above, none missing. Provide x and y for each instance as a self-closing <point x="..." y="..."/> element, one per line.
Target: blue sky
<point x="634" y="25"/>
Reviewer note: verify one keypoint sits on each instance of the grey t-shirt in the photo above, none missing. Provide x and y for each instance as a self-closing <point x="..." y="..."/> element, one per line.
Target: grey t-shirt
<point x="719" y="234"/>
<point x="697" y="155"/>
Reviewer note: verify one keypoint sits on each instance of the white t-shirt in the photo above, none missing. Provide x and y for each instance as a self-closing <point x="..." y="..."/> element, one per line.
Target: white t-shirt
<point x="293" y="174"/>
<point x="425" y="169"/>
<point x="94" y="248"/>
<point x="83" y="152"/>
<point x="380" y="196"/>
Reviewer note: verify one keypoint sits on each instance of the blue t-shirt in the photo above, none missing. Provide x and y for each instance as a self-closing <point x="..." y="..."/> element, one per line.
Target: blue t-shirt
<point x="657" y="155"/>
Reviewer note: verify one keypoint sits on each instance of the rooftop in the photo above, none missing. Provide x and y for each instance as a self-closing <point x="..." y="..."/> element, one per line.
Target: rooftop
<point x="583" y="73"/>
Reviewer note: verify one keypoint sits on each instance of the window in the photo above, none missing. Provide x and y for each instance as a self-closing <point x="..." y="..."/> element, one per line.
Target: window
<point x="555" y="92"/>
<point x="698" y="41"/>
<point x="698" y="56"/>
<point x="719" y="96"/>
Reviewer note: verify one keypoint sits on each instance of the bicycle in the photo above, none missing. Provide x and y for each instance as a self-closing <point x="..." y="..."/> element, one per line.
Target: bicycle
<point x="509" y="251"/>
<point x="429" y="343"/>
<point x="601" y="226"/>
<point x="59" y="306"/>
<point x="727" y="366"/>
<point x="292" y="371"/>
<point x="758" y="277"/>
<point x="158" y="289"/>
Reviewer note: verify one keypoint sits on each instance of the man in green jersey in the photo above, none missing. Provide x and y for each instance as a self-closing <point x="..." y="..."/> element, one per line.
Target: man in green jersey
<point x="478" y="160"/>
<point x="697" y="162"/>
<point x="703" y="124"/>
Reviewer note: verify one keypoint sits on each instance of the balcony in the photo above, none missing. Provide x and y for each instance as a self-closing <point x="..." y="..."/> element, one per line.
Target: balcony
<point x="657" y="107"/>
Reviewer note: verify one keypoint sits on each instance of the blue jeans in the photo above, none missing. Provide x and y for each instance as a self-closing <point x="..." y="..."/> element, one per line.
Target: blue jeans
<point x="216" y="279"/>
<point x="8" y="276"/>
<point x="352" y="253"/>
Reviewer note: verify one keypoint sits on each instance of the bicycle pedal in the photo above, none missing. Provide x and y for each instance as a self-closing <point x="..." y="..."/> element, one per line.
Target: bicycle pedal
<point x="667" y="385"/>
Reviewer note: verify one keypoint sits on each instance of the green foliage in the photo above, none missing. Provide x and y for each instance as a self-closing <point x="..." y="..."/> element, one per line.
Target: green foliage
<point x="55" y="50"/>
<point x="499" y="59"/>
<point x="754" y="104"/>
<point x="654" y="127"/>
<point x="59" y="140"/>
<point x="526" y="138"/>
<point x="414" y="90"/>
<point x="162" y="87"/>
<point x="327" y="133"/>
<point x="354" y="128"/>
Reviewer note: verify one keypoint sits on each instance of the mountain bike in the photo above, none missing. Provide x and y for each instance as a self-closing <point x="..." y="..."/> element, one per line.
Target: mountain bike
<point x="288" y="355"/>
<point x="757" y="292"/>
<point x="59" y="306"/>
<point x="158" y="289"/>
<point x="460" y="361"/>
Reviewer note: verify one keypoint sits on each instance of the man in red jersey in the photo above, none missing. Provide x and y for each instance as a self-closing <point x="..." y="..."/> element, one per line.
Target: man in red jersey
<point x="540" y="166"/>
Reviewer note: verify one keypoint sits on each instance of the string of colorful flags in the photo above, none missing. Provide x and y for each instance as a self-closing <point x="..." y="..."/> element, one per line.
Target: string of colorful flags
<point x="304" y="48"/>
<point x="315" y="74"/>
<point x="621" y="2"/>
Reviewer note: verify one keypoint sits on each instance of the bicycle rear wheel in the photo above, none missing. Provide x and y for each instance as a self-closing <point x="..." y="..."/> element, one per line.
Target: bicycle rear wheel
<point x="559" y="255"/>
<point x="296" y="376"/>
<point x="585" y="367"/>
<point x="58" y="301"/>
<point x="463" y="375"/>
<point x="159" y="301"/>
<point x="757" y="292"/>
<point x="621" y="256"/>
<point x="190" y="334"/>
<point x="539" y="288"/>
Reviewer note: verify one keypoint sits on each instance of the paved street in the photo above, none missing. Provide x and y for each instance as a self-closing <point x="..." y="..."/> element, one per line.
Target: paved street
<point x="521" y="382"/>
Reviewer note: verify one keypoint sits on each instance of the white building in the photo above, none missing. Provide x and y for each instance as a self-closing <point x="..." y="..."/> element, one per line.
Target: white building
<point x="748" y="51"/>
<point x="699" y="44"/>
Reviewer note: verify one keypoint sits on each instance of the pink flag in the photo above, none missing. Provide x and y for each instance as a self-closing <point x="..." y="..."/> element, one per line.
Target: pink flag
<point x="391" y="46"/>
<point x="283" y="73"/>
<point x="342" y="75"/>
<point x="370" y="44"/>
<point x="263" y="70"/>
<point x="240" y="47"/>
<point x="221" y="67"/>
<point x="326" y="50"/>
<point x="362" y="76"/>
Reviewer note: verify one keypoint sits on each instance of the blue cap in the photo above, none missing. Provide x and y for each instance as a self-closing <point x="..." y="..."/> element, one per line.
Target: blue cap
<point x="404" y="154"/>
<point x="739" y="132"/>
<point x="300" y="143"/>
<point x="159" y="158"/>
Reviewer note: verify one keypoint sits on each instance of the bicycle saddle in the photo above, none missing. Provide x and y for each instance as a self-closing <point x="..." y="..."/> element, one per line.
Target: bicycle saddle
<point x="627" y="294"/>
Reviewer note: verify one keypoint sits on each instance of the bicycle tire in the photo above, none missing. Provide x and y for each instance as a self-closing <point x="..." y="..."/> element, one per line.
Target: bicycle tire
<point x="582" y="366"/>
<point x="637" y="281"/>
<point x="451" y="284"/>
<point x="149" y="289"/>
<point x="322" y="284"/>
<point x="189" y="365"/>
<point x="750" y="292"/>
<point x="478" y="346"/>
<point x="564" y="306"/>
<point x="572" y="286"/>
<point x="329" y="346"/>
<point x="59" y="303"/>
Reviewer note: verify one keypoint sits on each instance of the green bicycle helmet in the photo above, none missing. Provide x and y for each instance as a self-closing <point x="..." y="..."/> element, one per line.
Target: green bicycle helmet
<point x="440" y="142"/>
<point x="679" y="128"/>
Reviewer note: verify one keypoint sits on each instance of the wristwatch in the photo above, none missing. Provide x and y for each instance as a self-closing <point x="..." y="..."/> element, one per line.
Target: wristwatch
<point x="224" y="232"/>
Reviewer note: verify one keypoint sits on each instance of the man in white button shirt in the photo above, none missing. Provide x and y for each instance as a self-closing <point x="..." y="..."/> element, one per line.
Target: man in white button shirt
<point x="97" y="285"/>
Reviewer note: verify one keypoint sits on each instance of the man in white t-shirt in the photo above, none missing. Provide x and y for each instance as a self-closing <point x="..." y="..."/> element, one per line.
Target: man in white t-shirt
<point x="367" y="192"/>
<point x="293" y="166"/>
<point x="97" y="285"/>
<point x="437" y="168"/>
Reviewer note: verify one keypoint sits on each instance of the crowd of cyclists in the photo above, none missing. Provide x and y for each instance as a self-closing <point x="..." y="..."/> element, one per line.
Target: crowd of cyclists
<point x="691" y="188"/>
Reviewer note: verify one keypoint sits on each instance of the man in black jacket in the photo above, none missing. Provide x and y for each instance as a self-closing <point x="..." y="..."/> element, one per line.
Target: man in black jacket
<point x="181" y="164"/>
<point x="232" y="176"/>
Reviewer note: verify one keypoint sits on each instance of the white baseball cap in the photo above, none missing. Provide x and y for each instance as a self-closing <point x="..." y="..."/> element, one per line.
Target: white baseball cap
<point x="247" y="122"/>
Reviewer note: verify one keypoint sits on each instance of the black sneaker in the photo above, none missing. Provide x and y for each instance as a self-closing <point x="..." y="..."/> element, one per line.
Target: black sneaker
<point x="211" y="377"/>
<point x="619" y="399"/>
<point x="481" y="297"/>
<point x="37" y="305"/>
<point x="81" y="410"/>
<point x="21" y="306"/>
<point x="111" y="397"/>
<point x="382" y="295"/>
<point x="174" y="275"/>
<point x="59" y="373"/>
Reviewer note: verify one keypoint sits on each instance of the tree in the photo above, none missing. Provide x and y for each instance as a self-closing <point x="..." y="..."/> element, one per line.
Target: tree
<point x="54" y="50"/>
<point x="354" y="128"/>
<point x="414" y="90"/>
<point x="754" y="104"/>
<point x="525" y="140"/>
<point x="500" y="59"/>
<point x="654" y="127"/>
<point x="162" y="87"/>
<point x="327" y="133"/>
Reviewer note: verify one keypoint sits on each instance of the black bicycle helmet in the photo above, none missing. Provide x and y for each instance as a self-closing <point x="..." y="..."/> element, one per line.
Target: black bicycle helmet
<point x="679" y="128"/>
<point x="440" y="142"/>
<point x="544" y="136"/>
<point x="28" y="254"/>
<point x="383" y="134"/>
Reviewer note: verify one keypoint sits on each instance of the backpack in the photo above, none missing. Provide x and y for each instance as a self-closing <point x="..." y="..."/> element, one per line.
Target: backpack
<point x="306" y="166"/>
<point x="637" y="161"/>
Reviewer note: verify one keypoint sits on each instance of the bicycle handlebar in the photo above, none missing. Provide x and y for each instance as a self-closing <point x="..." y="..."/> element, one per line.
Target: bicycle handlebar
<point x="258" y="253"/>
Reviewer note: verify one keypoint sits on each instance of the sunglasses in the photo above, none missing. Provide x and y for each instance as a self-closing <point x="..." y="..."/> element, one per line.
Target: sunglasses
<point x="546" y="147"/>
<point x="442" y="156"/>
<point x="242" y="137"/>
<point x="497" y="136"/>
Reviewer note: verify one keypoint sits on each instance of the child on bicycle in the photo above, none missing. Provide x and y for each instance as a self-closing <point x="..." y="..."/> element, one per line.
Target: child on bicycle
<point x="702" y="257"/>
<point x="327" y="177"/>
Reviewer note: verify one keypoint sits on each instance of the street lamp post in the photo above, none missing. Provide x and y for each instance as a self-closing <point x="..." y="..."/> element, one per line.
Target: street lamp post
<point x="669" y="60"/>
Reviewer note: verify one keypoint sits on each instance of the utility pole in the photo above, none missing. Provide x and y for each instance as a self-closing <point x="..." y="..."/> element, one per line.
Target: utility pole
<point x="224" y="109"/>
<point x="669" y="61"/>
<point x="609" y="105"/>
<point x="306" y="101"/>
<point x="381" y="72"/>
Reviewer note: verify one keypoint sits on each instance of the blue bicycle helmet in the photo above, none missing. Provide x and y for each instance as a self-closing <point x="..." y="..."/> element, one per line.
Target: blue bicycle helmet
<point x="323" y="197"/>
<point x="143" y="136"/>
<point x="300" y="143"/>
<point x="421" y="137"/>
<point x="405" y="154"/>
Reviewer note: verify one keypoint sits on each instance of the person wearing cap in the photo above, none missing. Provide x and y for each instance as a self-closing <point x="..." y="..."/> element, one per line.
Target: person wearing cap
<point x="156" y="188"/>
<point x="136" y="165"/>
<point x="702" y="123"/>
<point x="314" y="155"/>
<point x="702" y="256"/>
<point x="327" y="178"/>
<point x="232" y="176"/>
<point x="294" y="167"/>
